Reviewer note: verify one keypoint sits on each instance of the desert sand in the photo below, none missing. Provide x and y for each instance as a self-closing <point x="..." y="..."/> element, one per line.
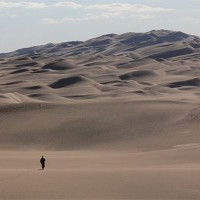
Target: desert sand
<point x="104" y="150"/>
<point x="117" y="117"/>
<point x="167" y="174"/>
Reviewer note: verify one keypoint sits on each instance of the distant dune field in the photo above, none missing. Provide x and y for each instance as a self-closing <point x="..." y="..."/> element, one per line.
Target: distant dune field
<point x="161" y="64"/>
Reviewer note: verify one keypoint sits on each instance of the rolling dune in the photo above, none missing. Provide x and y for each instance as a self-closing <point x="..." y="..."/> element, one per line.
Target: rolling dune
<point x="117" y="117"/>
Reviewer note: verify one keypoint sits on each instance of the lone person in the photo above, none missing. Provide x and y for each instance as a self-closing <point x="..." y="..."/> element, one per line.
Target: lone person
<point x="42" y="161"/>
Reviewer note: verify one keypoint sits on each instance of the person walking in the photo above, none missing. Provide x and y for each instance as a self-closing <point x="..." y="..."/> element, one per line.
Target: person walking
<point x="42" y="161"/>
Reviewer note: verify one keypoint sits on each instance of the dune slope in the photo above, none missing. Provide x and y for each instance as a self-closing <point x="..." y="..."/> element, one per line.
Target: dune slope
<point x="117" y="117"/>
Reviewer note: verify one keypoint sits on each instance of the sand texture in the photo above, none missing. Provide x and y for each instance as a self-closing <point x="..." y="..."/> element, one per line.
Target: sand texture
<point x="117" y="117"/>
<point x="158" y="64"/>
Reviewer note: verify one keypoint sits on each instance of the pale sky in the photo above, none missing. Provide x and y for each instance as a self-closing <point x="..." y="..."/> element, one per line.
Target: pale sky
<point x="28" y="23"/>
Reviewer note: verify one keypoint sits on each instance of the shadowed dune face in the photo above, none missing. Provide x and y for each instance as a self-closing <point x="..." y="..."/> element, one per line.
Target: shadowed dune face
<point x="66" y="82"/>
<point x="60" y="65"/>
<point x="171" y="54"/>
<point x="137" y="74"/>
<point x="12" y="83"/>
<point x="36" y="87"/>
<point x="19" y="71"/>
<point x="191" y="82"/>
<point x="29" y="64"/>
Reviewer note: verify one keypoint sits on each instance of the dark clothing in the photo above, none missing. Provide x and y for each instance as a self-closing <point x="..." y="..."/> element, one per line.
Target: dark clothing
<point x="42" y="161"/>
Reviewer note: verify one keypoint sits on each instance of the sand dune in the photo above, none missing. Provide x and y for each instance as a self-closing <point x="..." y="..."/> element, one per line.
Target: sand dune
<point x="137" y="74"/>
<point x="116" y="116"/>
<point x="116" y="125"/>
<point x="105" y="78"/>
<point x="191" y="82"/>
<point x="112" y="68"/>
<point x="112" y="65"/>
<point x="66" y="82"/>
<point x="59" y="66"/>
<point x="19" y="71"/>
